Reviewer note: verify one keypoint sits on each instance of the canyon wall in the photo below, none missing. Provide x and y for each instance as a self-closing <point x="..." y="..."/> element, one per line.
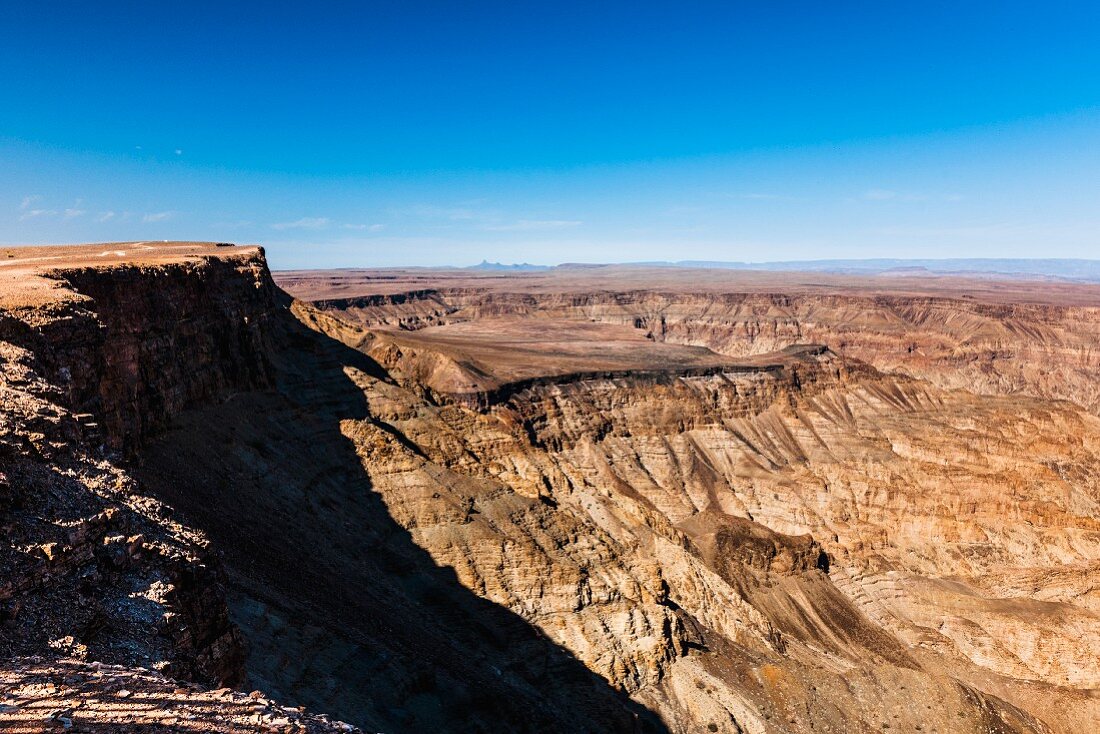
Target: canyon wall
<point x="106" y="598"/>
<point x="1041" y="349"/>
<point x="953" y="532"/>
<point x="113" y="356"/>
<point x="196" y="465"/>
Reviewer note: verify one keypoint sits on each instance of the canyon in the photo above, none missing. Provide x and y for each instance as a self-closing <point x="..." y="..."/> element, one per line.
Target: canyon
<point x="585" y="499"/>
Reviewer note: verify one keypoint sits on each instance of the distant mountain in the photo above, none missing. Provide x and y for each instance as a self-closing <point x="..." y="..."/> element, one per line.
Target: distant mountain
<point x="514" y="267"/>
<point x="1082" y="270"/>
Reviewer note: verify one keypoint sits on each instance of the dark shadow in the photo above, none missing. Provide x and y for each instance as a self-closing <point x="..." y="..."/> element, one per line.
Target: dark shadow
<point x="85" y="595"/>
<point x="342" y="611"/>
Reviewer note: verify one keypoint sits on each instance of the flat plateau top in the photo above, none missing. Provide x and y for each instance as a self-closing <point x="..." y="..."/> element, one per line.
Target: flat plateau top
<point x="24" y="271"/>
<point x="314" y="285"/>
<point x="492" y="352"/>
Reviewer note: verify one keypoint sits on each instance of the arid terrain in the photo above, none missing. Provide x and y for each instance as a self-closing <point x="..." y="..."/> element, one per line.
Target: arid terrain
<point x="586" y="499"/>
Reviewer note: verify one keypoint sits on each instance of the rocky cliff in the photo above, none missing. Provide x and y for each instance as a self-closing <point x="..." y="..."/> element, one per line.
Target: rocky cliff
<point x="94" y="360"/>
<point x="895" y="528"/>
<point x="1045" y="349"/>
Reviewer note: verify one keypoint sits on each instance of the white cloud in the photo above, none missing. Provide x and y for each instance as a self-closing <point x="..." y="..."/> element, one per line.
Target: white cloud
<point x="105" y="217"/>
<point x="366" y="227"/>
<point x="73" y="213"/>
<point x="179" y="152"/>
<point x="157" y="216"/>
<point x="33" y="213"/>
<point x="27" y="201"/>
<point x="303" y="223"/>
<point x="992" y="230"/>
<point x="529" y="225"/>
<point x="683" y="210"/>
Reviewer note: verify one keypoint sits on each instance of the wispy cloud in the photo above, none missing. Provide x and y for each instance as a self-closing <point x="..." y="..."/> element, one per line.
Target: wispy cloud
<point x="994" y="230"/>
<point x="906" y="196"/>
<point x="683" y="209"/>
<point x="756" y="196"/>
<point x="73" y="213"/>
<point x="532" y="225"/>
<point x="27" y="210"/>
<point x="105" y="216"/>
<point x="158" y="216"/>
<point x="303" y="223"/>
<point x="33" y="213"/>
<point x="366" y="227"/>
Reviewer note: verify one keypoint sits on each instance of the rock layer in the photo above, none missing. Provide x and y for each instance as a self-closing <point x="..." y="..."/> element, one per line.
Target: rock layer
<point x="1042" y="345"/>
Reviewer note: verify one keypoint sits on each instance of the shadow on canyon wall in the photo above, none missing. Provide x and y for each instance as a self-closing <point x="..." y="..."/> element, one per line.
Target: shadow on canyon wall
<point x="342" y="611"/>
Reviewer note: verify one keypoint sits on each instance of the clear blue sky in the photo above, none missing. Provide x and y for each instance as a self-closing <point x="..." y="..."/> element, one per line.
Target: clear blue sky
<point x="443" y="133"/>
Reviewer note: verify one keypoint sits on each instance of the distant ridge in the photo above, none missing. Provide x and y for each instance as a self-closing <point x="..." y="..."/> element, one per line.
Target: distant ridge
<point x="514" y="267"/>
<point x="1075" y="269"/>
<point x="1086" y="271"/>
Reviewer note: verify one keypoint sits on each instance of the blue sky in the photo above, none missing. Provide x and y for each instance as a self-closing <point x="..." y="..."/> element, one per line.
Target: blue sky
<point x="365" y="134"/>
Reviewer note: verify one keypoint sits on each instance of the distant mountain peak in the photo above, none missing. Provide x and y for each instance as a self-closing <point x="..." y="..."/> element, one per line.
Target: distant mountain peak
<point x="513" y="267"/>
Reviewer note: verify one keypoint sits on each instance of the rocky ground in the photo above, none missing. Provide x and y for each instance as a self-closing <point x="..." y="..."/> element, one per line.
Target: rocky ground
<point x="71" y="695"/>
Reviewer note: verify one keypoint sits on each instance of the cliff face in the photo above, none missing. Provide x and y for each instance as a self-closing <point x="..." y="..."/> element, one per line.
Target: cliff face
<point x="94" y="568"/>
<point x="957" y="532"/>
<point x="161" y="338"/>
<point x="1046" y="350"/>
